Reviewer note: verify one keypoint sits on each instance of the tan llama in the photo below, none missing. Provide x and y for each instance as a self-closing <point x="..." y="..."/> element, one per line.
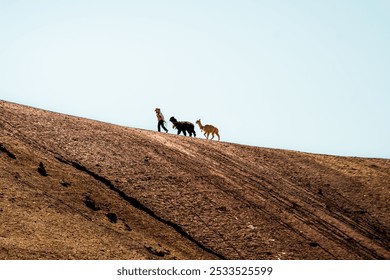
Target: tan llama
<point x="208" y="129"/>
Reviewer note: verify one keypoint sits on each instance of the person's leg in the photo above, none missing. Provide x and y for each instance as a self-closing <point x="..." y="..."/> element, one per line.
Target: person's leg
<point x="163" y="126"/>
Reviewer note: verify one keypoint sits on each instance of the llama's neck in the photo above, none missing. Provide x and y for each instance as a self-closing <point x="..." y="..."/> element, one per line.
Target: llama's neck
<point x="200" y="125"/>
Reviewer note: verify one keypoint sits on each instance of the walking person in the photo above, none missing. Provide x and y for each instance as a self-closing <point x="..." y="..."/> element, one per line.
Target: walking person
<point x="161" y="120"/>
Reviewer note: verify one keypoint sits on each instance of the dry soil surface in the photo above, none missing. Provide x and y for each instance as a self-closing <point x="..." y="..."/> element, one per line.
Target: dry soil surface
<point x="73" y="188"/>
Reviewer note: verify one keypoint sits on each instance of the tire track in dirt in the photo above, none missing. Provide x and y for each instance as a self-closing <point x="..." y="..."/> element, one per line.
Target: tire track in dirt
<point x="227" y="186"/>
<point x="363" y="223"/>
<point x="307" y="217"/>
<point x="325" y="226"/>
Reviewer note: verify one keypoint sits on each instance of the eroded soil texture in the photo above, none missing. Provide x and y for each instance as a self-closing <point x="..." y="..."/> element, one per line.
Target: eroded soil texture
<point x="73" y="188"/>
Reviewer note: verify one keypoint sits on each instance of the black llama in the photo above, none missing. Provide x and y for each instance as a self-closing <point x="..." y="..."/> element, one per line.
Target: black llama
<point x="183" y="127"/>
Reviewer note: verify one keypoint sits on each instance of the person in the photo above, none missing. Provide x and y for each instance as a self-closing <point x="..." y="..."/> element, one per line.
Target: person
<point x="161" y="120"/>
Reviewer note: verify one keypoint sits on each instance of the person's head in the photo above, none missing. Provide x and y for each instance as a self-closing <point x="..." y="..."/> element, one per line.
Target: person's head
<point x="157" y="110"/>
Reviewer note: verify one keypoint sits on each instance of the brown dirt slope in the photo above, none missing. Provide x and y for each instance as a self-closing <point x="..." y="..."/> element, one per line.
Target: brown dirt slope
<point x="73" y="188"/>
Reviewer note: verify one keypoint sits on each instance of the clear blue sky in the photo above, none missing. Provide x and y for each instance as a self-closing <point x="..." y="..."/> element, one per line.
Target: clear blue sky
<point x="312" y="76"/>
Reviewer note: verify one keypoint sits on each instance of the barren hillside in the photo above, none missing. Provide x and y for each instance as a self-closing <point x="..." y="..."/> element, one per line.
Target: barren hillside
<point x="73" y="188"/>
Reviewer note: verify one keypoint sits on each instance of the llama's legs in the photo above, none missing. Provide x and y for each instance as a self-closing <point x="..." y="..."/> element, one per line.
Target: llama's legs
<point x="218" y="136"/>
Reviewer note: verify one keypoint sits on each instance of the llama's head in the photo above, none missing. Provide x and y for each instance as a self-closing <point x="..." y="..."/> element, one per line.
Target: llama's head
<point x="198" y="121"/>
<point x="173" y="119"/>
